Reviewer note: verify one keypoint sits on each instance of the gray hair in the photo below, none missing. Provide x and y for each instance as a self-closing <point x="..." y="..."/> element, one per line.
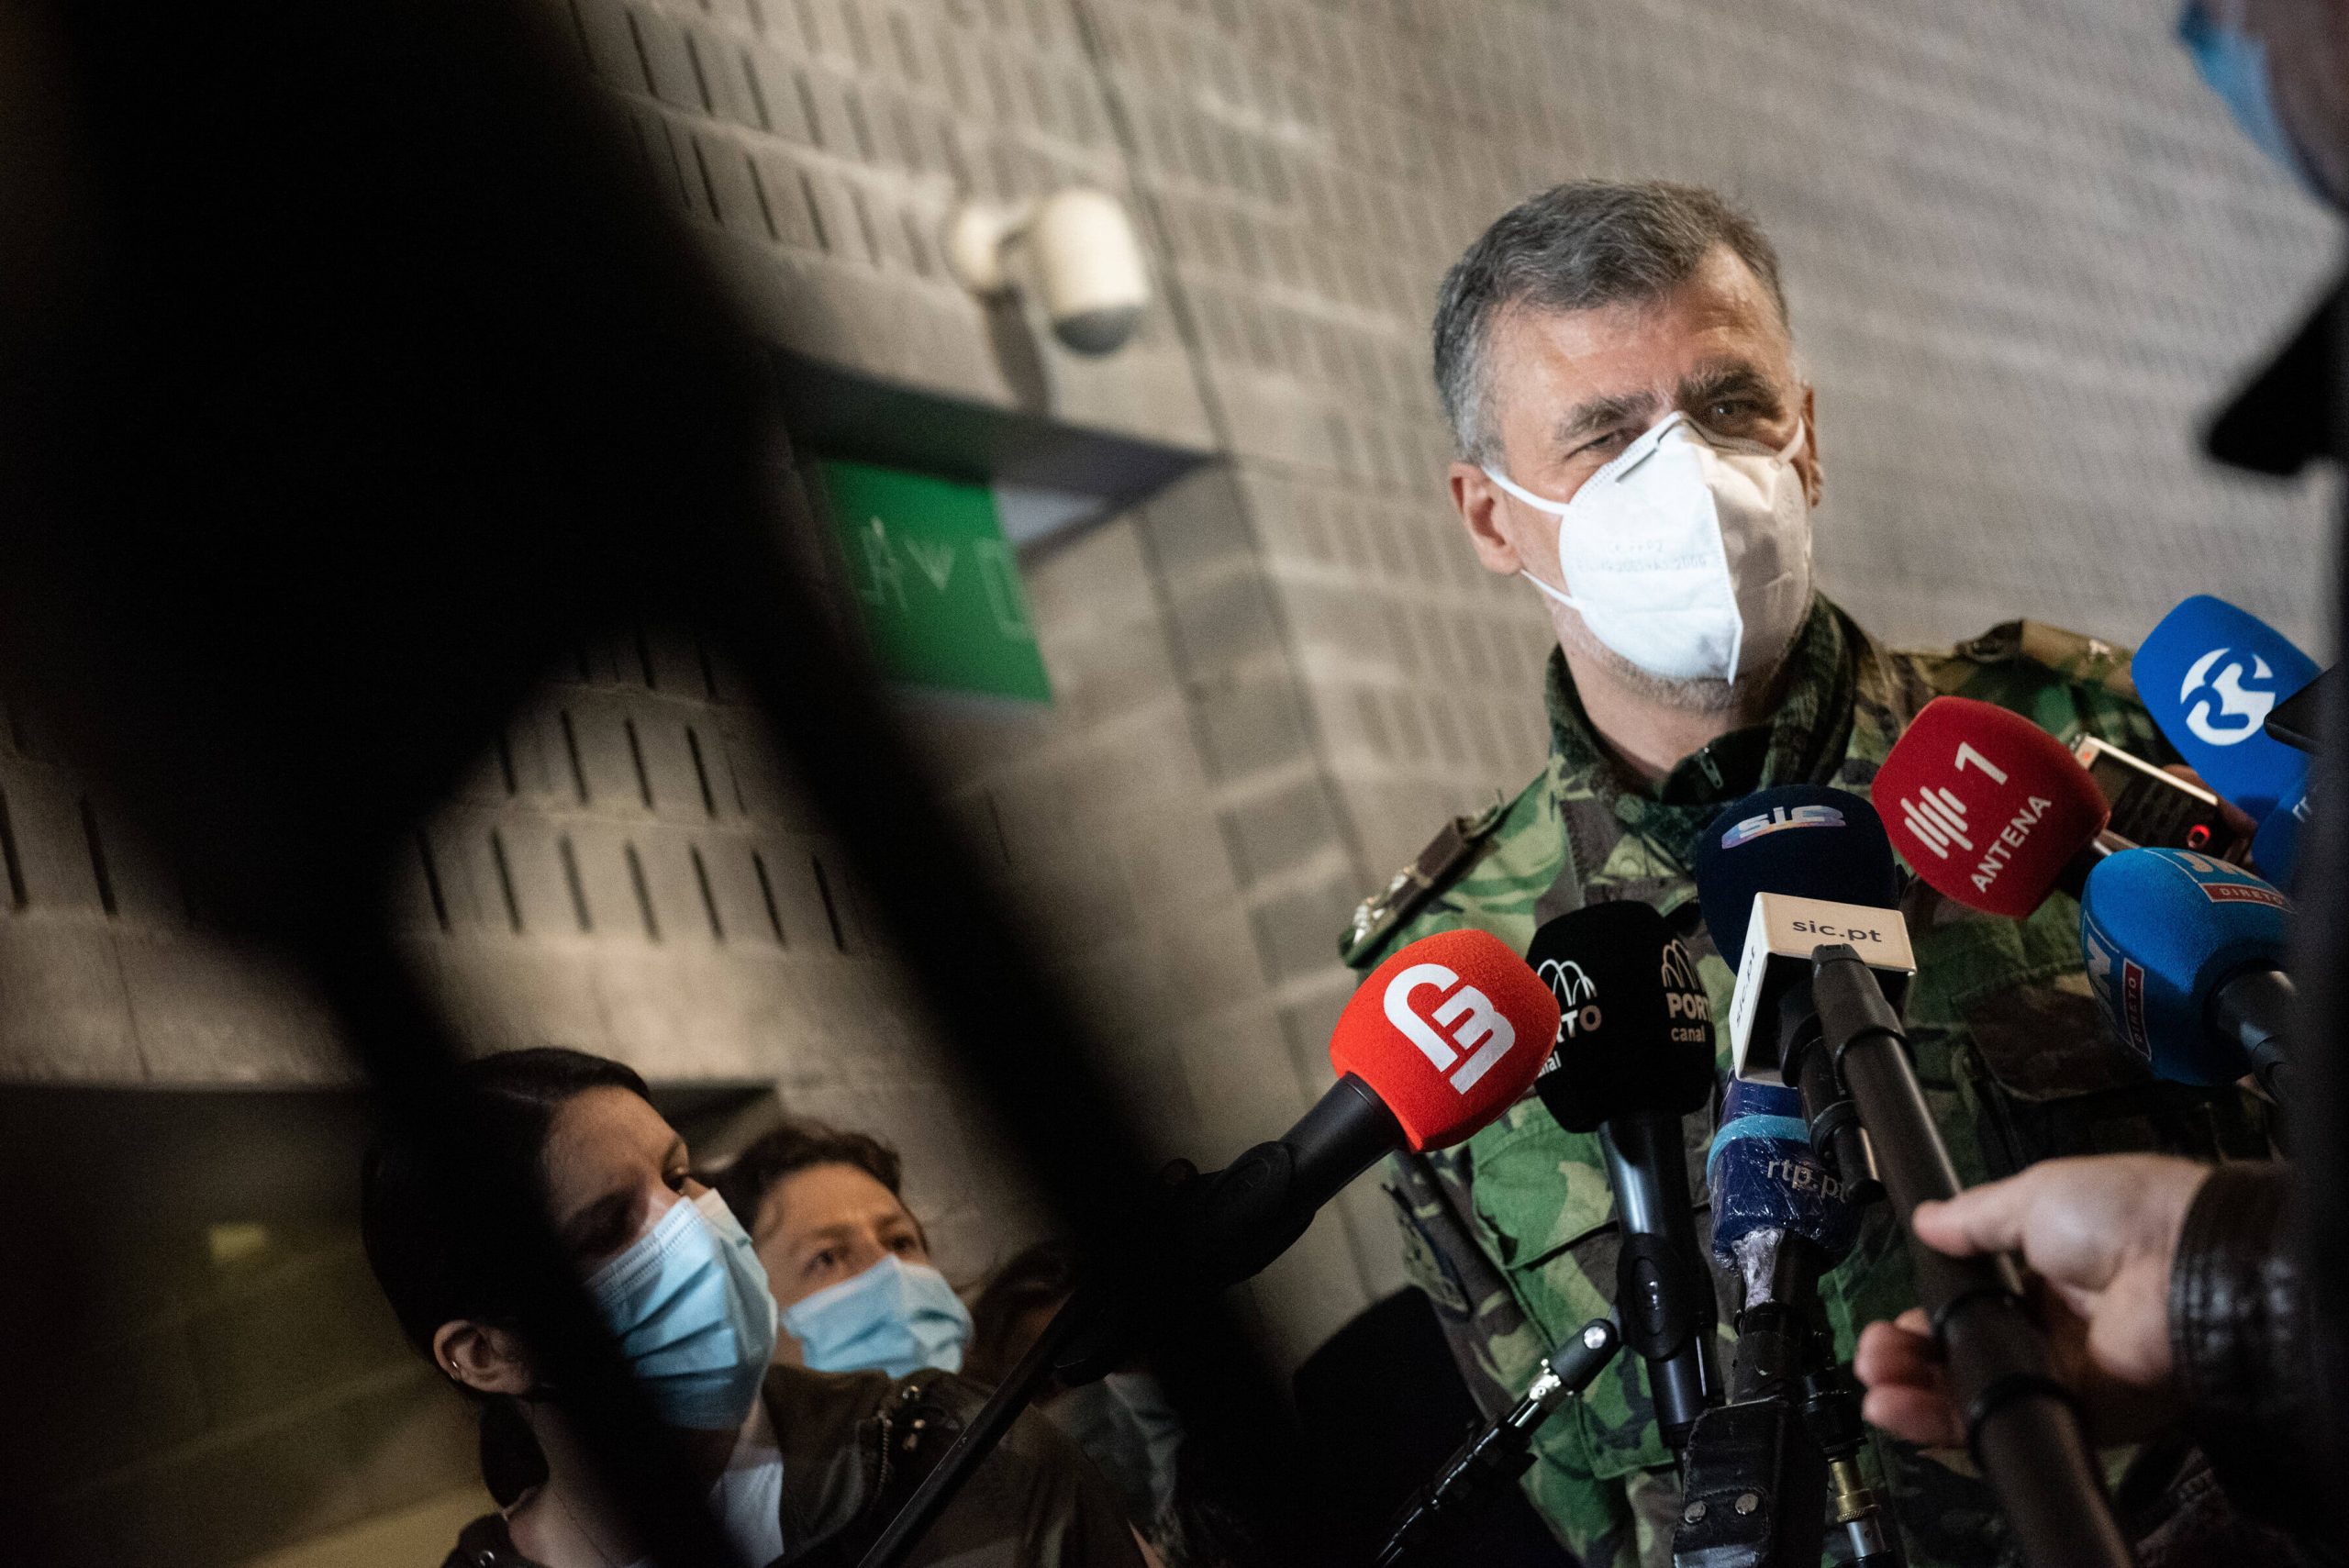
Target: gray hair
<point x="1575" y="247"/>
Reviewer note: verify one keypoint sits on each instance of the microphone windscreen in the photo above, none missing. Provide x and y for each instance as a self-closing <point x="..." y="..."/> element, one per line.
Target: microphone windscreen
<point x="1635" y="1028"/>
<point x="1764" y="1176"/>
<point x="2210" y="674"/>
<point x="1986" y="807"/>
<point x="1448" y="1033"/>
<point x="2276" y="848"/>
<point x="2160" y="930"/>
<point x="1805" y="840"/>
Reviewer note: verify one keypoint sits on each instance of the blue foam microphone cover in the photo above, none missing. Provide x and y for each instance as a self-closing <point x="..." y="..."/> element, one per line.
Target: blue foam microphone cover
<point x="2210" y="674"/>
<point x="2161" y="929"/>
<point x="2276" y="848"/>
<point x="1805" y="841"/>
<point x="1766" y="1176"/>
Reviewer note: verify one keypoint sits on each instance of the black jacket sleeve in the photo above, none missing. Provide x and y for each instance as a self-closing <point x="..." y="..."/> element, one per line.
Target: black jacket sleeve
<point x="2239" y="1338"/>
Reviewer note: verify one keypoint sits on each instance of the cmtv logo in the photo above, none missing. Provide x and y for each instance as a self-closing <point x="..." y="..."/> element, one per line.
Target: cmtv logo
<point x="1466" y="1020"/>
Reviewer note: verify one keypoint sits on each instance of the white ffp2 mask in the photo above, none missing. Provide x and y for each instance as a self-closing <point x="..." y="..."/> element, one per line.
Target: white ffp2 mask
<point x="1689" y="555"/>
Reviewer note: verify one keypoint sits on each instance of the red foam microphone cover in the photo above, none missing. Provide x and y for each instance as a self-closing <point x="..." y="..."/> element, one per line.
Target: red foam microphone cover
<point x="1985" y="806"/>
<point x="1448" y="1033"/>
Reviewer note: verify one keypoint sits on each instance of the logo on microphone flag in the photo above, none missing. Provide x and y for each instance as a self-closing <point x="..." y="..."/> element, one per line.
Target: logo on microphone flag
<point x="2120" y="986"/>
<point x="1679" y="970"/>
<point x="1448" y="1033"/>
<point x="1577" y="995"/>
<point x="2243" y="892"/>
<point x="2208" y="698"/>
<point x="1938" y="819"/>
<point x="1468" y="1020"/>
<point x="1779" y="819"/>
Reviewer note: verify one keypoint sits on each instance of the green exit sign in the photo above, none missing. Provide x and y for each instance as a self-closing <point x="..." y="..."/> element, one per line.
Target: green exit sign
<point x="938" y="584"/>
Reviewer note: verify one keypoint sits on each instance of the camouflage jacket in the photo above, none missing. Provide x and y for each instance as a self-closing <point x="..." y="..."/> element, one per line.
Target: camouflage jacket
<point x="1511" y="1233"/>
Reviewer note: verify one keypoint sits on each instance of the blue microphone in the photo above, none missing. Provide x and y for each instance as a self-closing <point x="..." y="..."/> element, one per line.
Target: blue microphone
<point x="1797" y="840"/>
<point x="1768" y="1183"/>
<point x="2186" y="957"/>
<point x="2210" y="674"/>
<point x="2276" y="848"/>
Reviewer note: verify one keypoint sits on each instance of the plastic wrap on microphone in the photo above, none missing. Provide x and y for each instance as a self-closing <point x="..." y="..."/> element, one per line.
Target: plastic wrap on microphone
<point x="1768" y="1181"/>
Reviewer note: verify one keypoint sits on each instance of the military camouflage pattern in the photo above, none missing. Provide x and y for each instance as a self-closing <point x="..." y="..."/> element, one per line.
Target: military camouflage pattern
<point x="1511" y="1233"/>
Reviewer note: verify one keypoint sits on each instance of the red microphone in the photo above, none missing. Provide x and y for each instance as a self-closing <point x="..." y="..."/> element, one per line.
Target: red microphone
<point x="1448" y="1033"/>
<point x="1440" y="1040"/>
<point x="1989" y="808"/>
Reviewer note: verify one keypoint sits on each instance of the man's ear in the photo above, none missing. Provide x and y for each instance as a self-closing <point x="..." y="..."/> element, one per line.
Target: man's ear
<point x="485" y="1360"/>
<point x="1806" y="463"/>
<point x="1482" y="508"/>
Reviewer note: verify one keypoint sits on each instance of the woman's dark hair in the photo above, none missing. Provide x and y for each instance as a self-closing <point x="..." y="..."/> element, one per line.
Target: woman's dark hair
<point x="1044" y="1276"/>
<point x="799" y="1146"/>
<point x="431" y="1245"/>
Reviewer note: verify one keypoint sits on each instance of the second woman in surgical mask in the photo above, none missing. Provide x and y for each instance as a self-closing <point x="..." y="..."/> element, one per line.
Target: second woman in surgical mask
<point x="676" y="1283"/>
<point x="847" y="1261"/>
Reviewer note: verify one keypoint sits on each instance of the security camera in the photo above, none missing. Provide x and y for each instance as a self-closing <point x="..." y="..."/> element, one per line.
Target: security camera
<point x="1087" y="262"/>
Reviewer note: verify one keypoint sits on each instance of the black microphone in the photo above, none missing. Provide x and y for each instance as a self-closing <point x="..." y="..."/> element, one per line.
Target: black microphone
<point x="1778" y="873"/>
<point x="2022" y="1425"/>
<point x="1634" y="1054"/>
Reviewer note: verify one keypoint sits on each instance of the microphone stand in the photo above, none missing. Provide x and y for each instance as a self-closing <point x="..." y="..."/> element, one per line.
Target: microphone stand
<point x="1502" y="1452"/>
<point x="1792" y="1428"/>
<point x="2020" y="1421"/>
<point x="1760" y="1468"/>
<point x="1752" y="1480"/>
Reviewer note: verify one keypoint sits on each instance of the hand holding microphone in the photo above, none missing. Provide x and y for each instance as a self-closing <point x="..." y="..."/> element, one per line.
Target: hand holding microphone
<point x="2103" y="1233"/>
<point x="2005" y="838"/>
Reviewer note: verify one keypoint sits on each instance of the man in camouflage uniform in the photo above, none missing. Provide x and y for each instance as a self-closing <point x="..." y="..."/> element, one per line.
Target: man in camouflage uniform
<point x="1575" y="324"/>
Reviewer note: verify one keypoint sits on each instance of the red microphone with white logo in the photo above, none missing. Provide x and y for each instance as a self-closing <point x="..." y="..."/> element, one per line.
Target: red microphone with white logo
<point x="1439" y="1040"/>
<point x="1436" y="1042"/>
<point x="1987" y="809"/>
<point x="1446" y="1034"/>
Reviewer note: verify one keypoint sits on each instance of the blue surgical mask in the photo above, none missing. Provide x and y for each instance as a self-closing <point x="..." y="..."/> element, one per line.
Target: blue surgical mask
<point x="896" y="1316"/>
<point x="689" y="1304"/>
<point x="2234" y="64"/>
<point x="1127" y="1428"/>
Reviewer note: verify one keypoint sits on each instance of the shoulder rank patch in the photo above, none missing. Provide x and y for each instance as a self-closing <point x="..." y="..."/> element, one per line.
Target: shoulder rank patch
<point x="2075" y="656"/>
<point x="1445" y="857"/>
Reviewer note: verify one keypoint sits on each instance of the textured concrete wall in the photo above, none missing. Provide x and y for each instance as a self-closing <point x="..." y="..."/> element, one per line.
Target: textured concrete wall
<point x="2024" y="251"/>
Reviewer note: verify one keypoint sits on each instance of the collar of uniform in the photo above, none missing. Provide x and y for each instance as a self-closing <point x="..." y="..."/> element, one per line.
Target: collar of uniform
<point x="1801" y="742"/>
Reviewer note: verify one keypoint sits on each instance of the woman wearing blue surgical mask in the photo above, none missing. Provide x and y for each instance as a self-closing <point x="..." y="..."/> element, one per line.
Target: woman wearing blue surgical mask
<point x="676" y="1282"/>
<point x="847" y="1261"/>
